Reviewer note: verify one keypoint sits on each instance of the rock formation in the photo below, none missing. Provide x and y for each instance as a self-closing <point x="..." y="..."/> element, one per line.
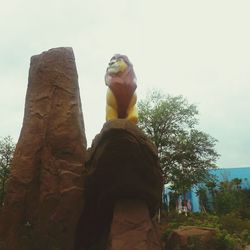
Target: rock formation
<point x="58" y="197"/>
<point x="45" y="189"/>
<point x="123" y="172"/>
<point x="132" y="227"/>
<point x="190" y="237"/>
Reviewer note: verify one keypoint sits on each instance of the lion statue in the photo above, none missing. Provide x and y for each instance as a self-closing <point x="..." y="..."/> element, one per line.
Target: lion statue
<point x="121" y="97"/>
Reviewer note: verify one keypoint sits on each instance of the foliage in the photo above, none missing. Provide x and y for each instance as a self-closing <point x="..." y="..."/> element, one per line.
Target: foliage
<point x="226" y="202"/>
<point x="227" y="241"/>
<point x="230" y="198"/>
<point x="234" y="223"/>
<point x="7" y="147"/>
<point x="225" y="197"/>
<point x="185" y="152"/>
<point x="232" y="232"/>
<point x="244" y="210"/>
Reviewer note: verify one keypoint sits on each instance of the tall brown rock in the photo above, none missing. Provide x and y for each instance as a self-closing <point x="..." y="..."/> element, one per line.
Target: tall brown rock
<point x="122" y="166"/>
<point x="45" y="188"/>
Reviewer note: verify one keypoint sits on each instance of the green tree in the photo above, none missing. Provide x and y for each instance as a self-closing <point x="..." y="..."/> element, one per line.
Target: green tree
<point x="186" y="153"/>
<point x="237" y="183"/>
<point x="231" y="198"/>
<point x="7" y="147"/>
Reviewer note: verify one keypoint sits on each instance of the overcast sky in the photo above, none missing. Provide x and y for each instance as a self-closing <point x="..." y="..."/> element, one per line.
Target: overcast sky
<point x="196" y="48"/>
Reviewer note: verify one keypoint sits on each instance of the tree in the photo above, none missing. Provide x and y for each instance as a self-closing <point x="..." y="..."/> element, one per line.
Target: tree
<point x="186" y="153"/>
<point x="7" y="147"/>
<point x="231" y="198"/>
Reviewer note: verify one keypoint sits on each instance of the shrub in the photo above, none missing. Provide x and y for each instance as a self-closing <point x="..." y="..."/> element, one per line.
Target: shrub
<point x="245" y="235"/>
<point x="232" y="232"/>
<point x="233" y="223"/>
<point x="226" y="241"/>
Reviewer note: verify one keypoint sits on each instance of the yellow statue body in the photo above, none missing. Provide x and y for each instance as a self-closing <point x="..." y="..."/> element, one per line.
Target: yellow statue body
<point x="121" y="97"/>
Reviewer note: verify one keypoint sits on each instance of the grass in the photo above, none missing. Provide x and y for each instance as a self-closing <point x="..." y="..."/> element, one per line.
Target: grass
<point x="232" y="231"/>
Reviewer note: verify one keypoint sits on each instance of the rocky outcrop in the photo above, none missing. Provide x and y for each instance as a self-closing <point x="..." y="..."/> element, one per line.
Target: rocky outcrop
<point x="45" y="189"/>
<point x="132" y="227"/>
<point x="122" y="164"/>
<point x="190" y="237"/>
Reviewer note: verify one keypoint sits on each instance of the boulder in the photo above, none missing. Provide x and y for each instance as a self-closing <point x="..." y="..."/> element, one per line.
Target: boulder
<point x="191" y="237"/>
<point x="122" y="164"/>
<point x="44" y="195"/>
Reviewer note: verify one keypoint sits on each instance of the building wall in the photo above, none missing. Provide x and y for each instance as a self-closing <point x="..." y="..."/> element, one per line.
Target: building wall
<point x="221" y="174"/>
<point x="231" y="173"/>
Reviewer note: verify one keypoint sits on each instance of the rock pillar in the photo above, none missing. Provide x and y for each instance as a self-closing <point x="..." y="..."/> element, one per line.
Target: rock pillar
<point x="45" y="189"/>
<point x="124" y="183"/>
<point x="132" y="227"/>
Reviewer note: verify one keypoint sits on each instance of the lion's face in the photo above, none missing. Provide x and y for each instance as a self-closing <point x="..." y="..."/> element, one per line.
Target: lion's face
<point x="120" y="71"/>
<point x="116" y="65"/>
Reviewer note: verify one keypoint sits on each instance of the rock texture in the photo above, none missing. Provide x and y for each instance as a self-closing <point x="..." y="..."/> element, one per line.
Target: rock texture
<point x="122" y="164"/>
<point x="189" y="237"/>
<point x="45" y="188"/>
<point x="132" y="227"/>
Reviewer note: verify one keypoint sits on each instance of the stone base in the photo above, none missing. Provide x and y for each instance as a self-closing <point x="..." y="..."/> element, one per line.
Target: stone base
<point x="132" y="227"/>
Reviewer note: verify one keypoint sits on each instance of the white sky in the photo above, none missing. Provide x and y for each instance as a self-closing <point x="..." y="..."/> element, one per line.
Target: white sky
<point x="199" y="49"/>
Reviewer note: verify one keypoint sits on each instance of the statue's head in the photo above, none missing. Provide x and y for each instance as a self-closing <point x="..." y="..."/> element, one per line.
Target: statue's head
<point x="120" y="66"/>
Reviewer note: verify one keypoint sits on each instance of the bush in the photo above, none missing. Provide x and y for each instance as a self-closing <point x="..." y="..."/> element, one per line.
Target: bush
<point x="227" y="241"/>
<point x="244" y="208"/>
<point x="231" y="198"/>
<point x="232" y="232"/>
<point x="228" y="201"/>
<point x="233" y="223"/>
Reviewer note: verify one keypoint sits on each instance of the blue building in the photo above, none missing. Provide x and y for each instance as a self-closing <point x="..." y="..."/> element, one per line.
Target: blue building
<point x="242" y="173"/>
<point x="221" y="174"/>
